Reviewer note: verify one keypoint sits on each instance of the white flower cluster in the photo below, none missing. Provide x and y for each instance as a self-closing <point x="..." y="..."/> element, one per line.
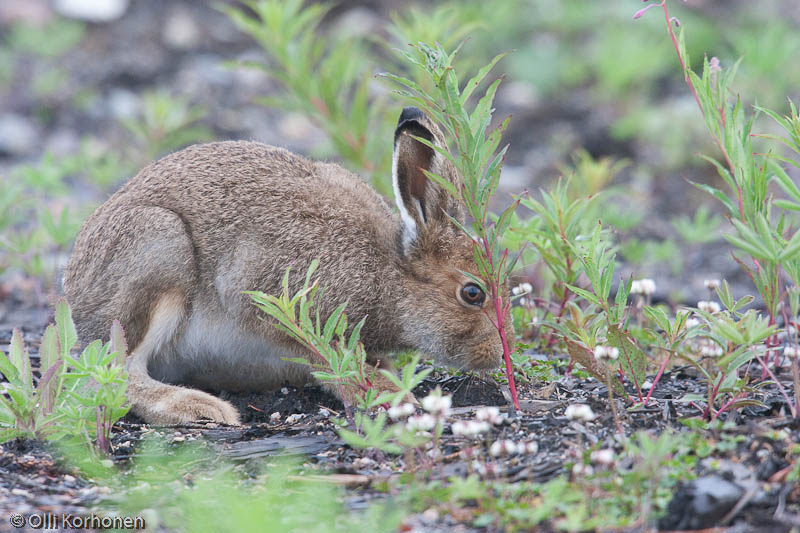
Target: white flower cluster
<point x="606" y="353"/>
<point x="644" y="286"/>
<point x="423" y="422"/>
<point x="436" y="404"/>
<point x="470" y="428"/>
<point x="509" y="447"/>
<point x="401" y="411"/>
<point x="522" y="288"/>
<point x="489" y="414"/>
<point x="580" y="412"/>
<point x="709" y="306"/>
<point x="581" y="469"/>
<point x="792" y="352"/>
<point x="712" y="284"/>
<point x="710" y="348"/>
<point x="602" y="457"/>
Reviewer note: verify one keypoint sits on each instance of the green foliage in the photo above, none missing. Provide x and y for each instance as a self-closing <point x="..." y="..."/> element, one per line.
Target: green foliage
<point x="166" y="123"/>
<point x="634" y="494"/>
<point x="328" y="77"/>
<point x="704" y="228"/>
<point x="187" y="487"/>
<point x="77" y="399"/>
<point x="51" y="40"/>
<point x="328" y="80"/>
<point x="339" y="360"/>
<point x="478" y="162"/>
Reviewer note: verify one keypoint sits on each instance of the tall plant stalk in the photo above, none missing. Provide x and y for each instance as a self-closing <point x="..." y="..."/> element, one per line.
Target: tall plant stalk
<point x="479" y="162"/>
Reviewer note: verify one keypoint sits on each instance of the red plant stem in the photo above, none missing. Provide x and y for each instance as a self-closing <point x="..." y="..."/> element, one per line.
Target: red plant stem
<point x="500" y="324"/>
<point x="658" y="377"/>
<point x="700" y="106"/>
<point x="726" y="405"/>
<point x="792" y="408"/>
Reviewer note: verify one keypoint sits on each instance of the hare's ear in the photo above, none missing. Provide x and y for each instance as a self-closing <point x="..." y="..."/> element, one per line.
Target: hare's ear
<point x="421" y="202"/>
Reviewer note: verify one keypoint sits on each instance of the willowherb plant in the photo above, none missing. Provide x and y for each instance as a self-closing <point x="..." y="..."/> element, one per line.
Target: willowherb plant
<point x="762" y="231"/>
<point x="340" y="361"/>
<point x="731" y="339"/>
<point x="328" y="77"/>
<point x="763" y="224"/>
<point x="325" y="79"/>
<point x="478" y="161"/>
<point x="80" y="397"/>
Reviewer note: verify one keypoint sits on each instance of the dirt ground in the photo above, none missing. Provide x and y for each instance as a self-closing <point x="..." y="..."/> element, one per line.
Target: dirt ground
<point x="32" y="480"/>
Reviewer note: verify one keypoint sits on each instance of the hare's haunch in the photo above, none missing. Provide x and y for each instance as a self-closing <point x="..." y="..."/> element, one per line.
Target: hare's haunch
<point x="171" y="253"/>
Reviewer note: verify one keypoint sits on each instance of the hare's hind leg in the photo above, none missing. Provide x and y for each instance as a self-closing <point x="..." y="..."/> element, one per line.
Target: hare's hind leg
<point x="157" y="402"/>
<point x="137" y="265"/>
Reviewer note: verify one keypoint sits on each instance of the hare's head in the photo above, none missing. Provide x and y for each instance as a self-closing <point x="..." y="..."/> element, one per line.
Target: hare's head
<point x="446" y="315"/>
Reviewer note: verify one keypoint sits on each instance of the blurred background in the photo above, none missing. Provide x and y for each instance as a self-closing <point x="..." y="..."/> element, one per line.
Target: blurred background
<point x="92" y="90"/>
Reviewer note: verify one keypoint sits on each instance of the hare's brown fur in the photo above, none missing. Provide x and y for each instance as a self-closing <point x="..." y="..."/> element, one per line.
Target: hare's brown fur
<point x="171" y="252"/>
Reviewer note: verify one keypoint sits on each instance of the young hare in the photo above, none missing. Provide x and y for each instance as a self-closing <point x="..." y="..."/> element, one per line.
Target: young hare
<point x="172" y="251"/>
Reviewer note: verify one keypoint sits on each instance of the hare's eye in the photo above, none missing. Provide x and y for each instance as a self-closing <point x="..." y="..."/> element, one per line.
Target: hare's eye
<point x="472" y="294"/>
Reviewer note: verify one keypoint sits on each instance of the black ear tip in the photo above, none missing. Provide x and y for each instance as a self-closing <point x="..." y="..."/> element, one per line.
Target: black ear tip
<point x="410" y="113"/>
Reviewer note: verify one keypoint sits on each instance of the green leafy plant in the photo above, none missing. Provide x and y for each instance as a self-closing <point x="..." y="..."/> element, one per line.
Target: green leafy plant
<point x="704" y="228"/>
<point x="762" y="223"/>
<point x="340" y="360"/>
<point x="166" y="123"/>
<point x="327" y="80"/>
<point x="328" y="77"/>
<point x="478" y="161"/>
<point x="74" y="398"/>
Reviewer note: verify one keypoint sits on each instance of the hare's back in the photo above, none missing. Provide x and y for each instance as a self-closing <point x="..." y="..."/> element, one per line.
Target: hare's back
<point x="227" y="179"/>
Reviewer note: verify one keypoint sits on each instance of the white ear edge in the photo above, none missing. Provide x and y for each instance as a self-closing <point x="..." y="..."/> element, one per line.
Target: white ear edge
<point x="409" y="225"/>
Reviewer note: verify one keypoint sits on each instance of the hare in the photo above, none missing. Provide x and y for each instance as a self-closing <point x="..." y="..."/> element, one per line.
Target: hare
<point x="171" y="253"/>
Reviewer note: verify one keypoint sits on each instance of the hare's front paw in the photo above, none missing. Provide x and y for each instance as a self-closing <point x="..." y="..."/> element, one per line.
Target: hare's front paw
<point x="189" y="405"/>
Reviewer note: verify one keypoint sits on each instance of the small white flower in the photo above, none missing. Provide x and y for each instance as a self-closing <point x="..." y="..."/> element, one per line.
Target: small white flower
<point x="606" y="353"/>
<point x="275" y="417"/>
<point x="712" y="284"/>
<point x="470" y="428"/>
<point x="708" y="307"/>
<point x="502" y="447"/>
<point x="692" y="322"/>
<point x="579" y="412"/>
<point x="711" y="349"/>
<point x="490" y="414"/>
<point x="792" y="352"/>
<point x="436" y="404"/>
<point x="581" y="469"/>
<point x="401" y="411"/>
<point x="531" y="448"/>
<point x="643" y="286"/>
<point x="523" y="302"/>
<point x="522" y="288"/>
<point x="423" y="422"/>
<point x="602" y="457"/>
